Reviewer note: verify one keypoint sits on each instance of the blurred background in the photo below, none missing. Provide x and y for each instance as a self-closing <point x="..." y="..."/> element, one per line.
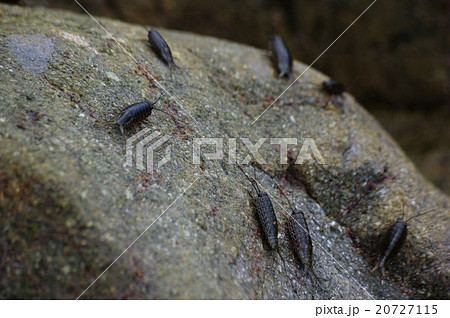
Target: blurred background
<point x="395" y="60"/>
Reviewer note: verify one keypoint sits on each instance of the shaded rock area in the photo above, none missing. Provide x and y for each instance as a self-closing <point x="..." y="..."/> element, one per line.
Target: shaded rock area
<point x="424" y="136"/>
<point x="70" y="205"/>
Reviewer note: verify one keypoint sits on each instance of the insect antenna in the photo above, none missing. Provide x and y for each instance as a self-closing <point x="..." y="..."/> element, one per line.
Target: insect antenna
<point x="254" y="180"/>
<point x="251" y="181"/>
<point x="284" y="195"/>
<point x="146" y="28"/>
<point x="162" y="111"/>
<point x="420" y="214"/>
<point x="268" y="33"/>
<point x="156" y="101"/>
<point x="111" y="122"/>
<point x="403" y="209"/>
<point x="292" y="196"/>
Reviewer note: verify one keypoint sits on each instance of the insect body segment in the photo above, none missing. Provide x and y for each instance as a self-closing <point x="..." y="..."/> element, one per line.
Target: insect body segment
<point x="267" y="218"/>
<point x="281" y="56"/>
<point x="134" y="114"/>
<point x="266" y="214"/>
<point x="160" y="47"/>
<point x="332" y="87"/>
<point x="392" y="241"/>
<point x="301" y="239"/>
<point x="299" y="232"/>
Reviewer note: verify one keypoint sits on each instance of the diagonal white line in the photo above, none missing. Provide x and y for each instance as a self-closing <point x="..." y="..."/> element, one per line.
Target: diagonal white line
<point x="184" y="191"/>
<point x="315" y="241"/>
<point x="310" y="65"/>
<point x="135" y="61"/>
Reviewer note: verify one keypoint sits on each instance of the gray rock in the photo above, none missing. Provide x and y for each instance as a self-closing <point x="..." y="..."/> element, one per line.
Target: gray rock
<point x="73" y="211"/>
<point x="31" y="51"/>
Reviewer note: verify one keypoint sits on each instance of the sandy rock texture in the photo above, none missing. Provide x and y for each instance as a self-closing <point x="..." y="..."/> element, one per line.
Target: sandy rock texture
<point x="70" y="205"/>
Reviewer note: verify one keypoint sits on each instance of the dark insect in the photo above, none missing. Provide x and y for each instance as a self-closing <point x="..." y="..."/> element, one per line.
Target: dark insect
<point x="392" y="240"/>
<point x="332" y="87"/>
<point x="266" y="214"/>
<point x="134" y="114"/>
<point x="160" y="47"/>
<point x="281" y="56"/>
<point x="299" y="232"/>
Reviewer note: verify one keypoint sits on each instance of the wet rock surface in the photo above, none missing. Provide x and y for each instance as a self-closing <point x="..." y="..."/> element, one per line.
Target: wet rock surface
<point x="70" y="205"/>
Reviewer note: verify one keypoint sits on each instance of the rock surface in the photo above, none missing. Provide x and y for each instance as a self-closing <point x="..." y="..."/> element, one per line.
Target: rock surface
<point x="70" y="206"/>
<point x="406" y="35"/>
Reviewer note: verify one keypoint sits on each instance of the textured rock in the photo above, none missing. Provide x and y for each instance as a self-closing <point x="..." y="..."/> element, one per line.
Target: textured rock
<point x="394" y="59"/>
<point x="70" y="205"/>
<point x="405" y="35"/>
